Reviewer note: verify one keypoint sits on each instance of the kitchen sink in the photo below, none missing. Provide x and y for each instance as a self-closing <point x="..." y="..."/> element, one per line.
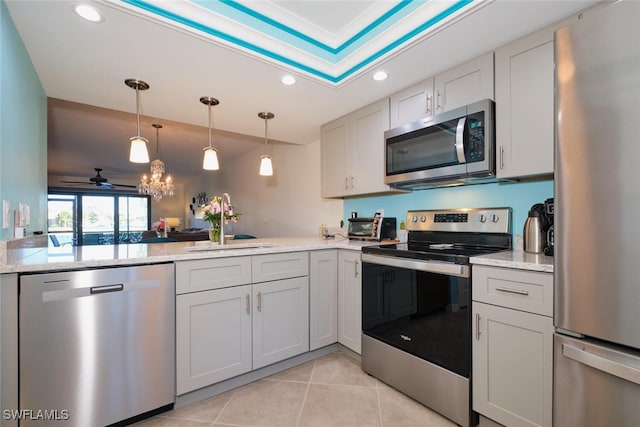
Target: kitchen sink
<point x="209" y="246"/>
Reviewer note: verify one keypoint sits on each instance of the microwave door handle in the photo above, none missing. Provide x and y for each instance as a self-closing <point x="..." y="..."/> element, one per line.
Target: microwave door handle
<point x="460" y="140"/>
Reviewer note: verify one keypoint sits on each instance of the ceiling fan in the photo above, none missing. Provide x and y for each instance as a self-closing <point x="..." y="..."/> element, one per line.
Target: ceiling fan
<point x="100" y="181"/>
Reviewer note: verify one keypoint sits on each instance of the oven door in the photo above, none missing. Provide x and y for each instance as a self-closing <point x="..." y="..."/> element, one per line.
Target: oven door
<point x="420" y="307"/>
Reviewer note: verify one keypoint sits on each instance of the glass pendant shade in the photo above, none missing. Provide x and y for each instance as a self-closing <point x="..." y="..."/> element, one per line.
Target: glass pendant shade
<point x="210" y="161"/>
<point x="266" y="168"/>
<point x="138" y="152"/>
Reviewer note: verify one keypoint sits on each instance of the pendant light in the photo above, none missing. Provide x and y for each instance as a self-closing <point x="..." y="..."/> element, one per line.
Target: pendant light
<point x="210" y="161"/>
<point x="138" y="152"/>
<point x="154" y="186"/>
<point x="266" y="167"/>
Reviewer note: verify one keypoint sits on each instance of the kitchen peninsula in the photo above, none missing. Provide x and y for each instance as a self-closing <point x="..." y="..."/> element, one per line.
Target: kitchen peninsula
<point x="45" y="259"/>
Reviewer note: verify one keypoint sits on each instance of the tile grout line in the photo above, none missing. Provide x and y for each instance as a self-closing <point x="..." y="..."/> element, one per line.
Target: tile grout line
<point x="225" y="405"/>
<point x="306" y="393"/>
<point x="379" y="405"/>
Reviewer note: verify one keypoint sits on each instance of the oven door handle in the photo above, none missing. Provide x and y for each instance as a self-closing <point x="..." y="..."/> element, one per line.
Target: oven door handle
<point x="439" y="267"/>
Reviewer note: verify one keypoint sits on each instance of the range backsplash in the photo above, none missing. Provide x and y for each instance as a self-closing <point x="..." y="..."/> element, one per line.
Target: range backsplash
<point x="518" y="196"/>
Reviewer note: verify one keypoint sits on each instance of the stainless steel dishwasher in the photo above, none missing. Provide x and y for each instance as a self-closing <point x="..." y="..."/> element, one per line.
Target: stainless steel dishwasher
<point x="96" y="346"/>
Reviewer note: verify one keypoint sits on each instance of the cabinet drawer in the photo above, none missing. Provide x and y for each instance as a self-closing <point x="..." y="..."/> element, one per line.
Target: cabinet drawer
<point x="207" y="274"/>
<point x="530" y="291"/>
<point x="279" y="266"/>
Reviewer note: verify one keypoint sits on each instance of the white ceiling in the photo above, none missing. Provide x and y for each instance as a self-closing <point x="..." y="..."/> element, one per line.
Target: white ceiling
<point x="82" y="67"/>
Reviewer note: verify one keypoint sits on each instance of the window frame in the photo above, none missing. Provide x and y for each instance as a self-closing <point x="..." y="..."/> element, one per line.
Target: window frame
<point x="78" y="194"/>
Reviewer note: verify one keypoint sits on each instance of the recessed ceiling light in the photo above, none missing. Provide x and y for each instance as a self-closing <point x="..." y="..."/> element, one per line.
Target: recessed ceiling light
<point x="288" y="80"/>
<point x="379" y="76"/>
<point x="88" y="12"/>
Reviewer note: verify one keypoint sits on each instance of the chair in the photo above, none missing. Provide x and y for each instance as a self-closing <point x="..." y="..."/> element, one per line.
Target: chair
<point x="56" y="242"/>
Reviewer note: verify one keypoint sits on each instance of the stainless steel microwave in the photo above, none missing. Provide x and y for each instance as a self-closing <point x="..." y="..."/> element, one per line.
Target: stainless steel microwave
<point x="451" y="147"/>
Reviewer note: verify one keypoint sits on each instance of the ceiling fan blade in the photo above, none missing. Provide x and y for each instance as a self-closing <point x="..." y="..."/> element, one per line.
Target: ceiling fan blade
<point x="124" y="185"/>
<point x="105" y="184"/>
<point x="78" y="182"/>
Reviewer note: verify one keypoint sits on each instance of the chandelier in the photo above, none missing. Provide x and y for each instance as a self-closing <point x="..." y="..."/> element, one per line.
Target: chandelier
<point x="153" y="185"/>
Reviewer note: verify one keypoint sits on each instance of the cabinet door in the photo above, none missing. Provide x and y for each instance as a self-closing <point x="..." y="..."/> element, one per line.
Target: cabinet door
<point x="323" y="298"/>
<point x="512" y="366"/>
<point x="464" y="84"/>
<point x="336" y="154"/>
<point x="213" y="336"/>
<point x="280" y="320"/>
<point x="367" y="126"/>
<point x="411" y="104"/>
<point x="525" y="106"/>
<point x="350" y="299"/>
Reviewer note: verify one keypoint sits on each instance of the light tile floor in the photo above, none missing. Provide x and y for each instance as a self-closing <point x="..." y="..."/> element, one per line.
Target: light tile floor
<point x="331" y="391"/>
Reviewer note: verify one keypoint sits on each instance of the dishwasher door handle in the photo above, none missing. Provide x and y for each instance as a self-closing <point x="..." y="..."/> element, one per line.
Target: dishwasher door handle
<point x="106" y="288"/>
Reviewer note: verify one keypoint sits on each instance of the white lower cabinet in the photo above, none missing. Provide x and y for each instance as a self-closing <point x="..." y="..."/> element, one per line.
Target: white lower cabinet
<point x="323" y="298"/>
<point x="231" y="329"/>
<point x="213" y="336"/>
<point x="512" y="346"/>
<point x="350" y="299"/>
<point x="280" y="320"/>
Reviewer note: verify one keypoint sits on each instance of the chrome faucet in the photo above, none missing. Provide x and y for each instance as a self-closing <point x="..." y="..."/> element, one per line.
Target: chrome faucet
<point x="224" y="195"/>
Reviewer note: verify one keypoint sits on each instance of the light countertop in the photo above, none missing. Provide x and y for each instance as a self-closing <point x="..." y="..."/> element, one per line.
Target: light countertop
<point x="36" y="259"/>
<point x="516" y="259"/>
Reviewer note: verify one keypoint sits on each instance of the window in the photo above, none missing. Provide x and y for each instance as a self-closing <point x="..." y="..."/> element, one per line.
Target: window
<point x="97" y="219"/>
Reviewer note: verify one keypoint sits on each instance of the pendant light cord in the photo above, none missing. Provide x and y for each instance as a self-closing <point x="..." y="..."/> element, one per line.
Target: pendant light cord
<point x="209" y="105"/>
<point x="138" y="108"/>
<point x="266" y="134"/>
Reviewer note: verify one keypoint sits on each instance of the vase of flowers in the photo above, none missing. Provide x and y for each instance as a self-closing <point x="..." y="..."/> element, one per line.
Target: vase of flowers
<point x="160" y="227"/>
<point x="212" y="214"/>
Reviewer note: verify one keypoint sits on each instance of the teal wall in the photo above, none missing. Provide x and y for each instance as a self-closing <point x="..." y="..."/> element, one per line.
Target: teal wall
<point x="23" y="129"/>
<point x="518" y="196"/>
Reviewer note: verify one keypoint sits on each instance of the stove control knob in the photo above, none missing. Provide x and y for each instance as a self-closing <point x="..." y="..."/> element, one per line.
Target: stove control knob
<point x="495" y="218"/>
<point x="482" y="218"/>
<point x="423" y="218"/>
<point x="414" y="218"/>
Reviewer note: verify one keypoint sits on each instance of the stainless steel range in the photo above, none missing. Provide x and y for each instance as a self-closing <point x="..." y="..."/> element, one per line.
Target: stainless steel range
<point x="416" y="305"/>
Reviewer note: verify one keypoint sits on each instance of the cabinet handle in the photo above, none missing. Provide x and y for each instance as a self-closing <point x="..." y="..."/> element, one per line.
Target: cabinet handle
<point x="259" y="302"/>
<point x="352" y="183"/>
<point x="513" y="291"/>
<point x="501" y="157"/>
<point x="477" y="327"/>
<point x="248" y="304"/>
<point x="355" y="265"/>
<point x="429" y="100"/>
<point x="438" y="106"/>
<point x="346" y="182"/>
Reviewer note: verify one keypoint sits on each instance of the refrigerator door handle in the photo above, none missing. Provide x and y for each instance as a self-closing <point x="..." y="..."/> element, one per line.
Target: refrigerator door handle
<point x="609" y="366"/>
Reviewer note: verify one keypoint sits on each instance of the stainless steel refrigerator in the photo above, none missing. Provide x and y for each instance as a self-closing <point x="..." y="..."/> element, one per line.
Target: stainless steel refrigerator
<point x="597" y="219"/>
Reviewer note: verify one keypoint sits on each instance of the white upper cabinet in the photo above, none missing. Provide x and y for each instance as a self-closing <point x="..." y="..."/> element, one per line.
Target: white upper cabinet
<point x="459" y="86"/>
<point x="336" y="153"/>
<point x="464" y="84"/>
<point x="524" y="106"/>
<point x="411" y="104"/>
<point x="353" y="152"/>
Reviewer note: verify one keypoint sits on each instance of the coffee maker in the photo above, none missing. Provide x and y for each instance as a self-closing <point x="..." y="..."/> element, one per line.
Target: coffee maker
<point x="538" y="229"/>
<point x="549" y="210"/>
